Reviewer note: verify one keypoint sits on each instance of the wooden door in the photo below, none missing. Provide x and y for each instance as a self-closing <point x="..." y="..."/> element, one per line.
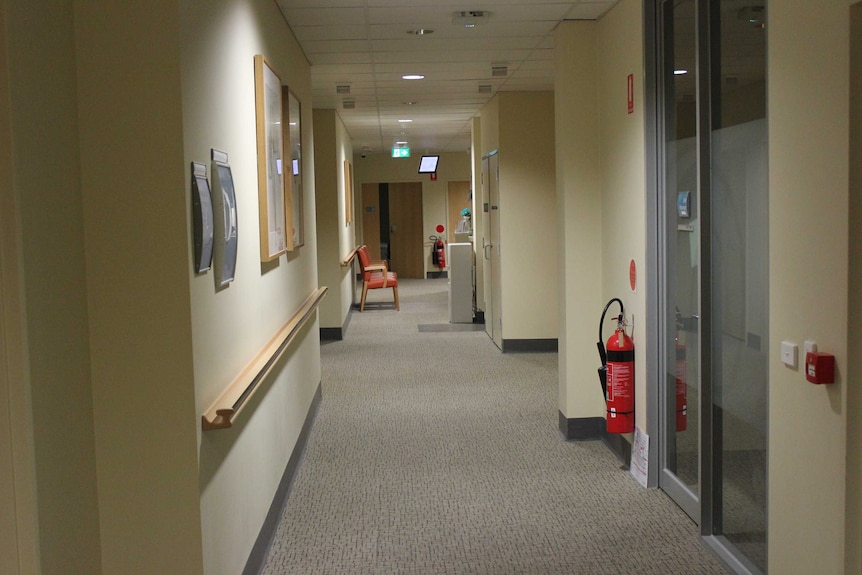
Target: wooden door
<point x="459" y="198"/>
<point x="405" y="237"/>
<point x="371" y="218"/>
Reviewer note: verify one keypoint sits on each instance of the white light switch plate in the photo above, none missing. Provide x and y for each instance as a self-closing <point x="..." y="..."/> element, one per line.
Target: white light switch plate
<point x="788" y="353"/>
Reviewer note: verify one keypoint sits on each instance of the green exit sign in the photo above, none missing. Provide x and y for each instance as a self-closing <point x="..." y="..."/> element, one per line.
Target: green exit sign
<point x="400" y="152"/>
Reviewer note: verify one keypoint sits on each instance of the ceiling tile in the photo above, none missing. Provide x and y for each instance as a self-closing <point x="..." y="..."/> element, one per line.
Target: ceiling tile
<point x="365" y="44"/>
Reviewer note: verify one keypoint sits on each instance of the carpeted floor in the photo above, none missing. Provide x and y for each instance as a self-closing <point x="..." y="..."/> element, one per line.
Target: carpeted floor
<point x="433" y="453"/>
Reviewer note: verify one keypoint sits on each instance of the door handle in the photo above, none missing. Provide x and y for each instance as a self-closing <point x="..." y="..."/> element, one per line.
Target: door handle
<point x="392" y="229"/>
<point x="485" y="250"/>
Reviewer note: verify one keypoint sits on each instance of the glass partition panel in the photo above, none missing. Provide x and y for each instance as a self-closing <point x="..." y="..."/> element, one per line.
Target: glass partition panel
<point x="739" y="278"/>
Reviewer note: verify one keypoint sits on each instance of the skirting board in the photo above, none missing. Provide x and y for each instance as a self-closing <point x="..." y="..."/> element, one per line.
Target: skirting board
<point x="594" y="429"/>
<point x="331" y="333"/>
<point x="336" y="333"/>
<point x="530" y="345"/>
<point x="259" y="551"/>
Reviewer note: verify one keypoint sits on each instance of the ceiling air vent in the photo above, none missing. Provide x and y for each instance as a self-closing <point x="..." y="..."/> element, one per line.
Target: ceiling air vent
<point x="470" y="18"/>
<point x="349" y="104"/>
<point x="342" y="89"/>
<point x="499" y="71"/>
<point x="484" y="88"/>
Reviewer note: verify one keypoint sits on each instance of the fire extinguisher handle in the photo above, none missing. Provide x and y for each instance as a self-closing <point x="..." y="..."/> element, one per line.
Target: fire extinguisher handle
<point x="602" y="320"/>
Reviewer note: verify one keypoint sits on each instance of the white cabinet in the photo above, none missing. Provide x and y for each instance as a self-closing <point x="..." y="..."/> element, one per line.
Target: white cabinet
<point x="460" y="259"/>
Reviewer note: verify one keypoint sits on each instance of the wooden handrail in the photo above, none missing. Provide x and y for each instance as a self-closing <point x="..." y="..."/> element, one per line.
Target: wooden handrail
<point x="350" y="257"/>
<point x="221" y="414"/>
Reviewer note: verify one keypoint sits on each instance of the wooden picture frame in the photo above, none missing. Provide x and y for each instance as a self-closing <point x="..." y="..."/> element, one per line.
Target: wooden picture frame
<point x="292" y="113"/>
<point x="270" y="160"/>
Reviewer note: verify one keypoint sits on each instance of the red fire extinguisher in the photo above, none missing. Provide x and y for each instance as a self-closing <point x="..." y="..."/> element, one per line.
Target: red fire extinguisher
<point x="617" y="375"/>
<point x="438" y="252"/>
<point x="681" y="393"/>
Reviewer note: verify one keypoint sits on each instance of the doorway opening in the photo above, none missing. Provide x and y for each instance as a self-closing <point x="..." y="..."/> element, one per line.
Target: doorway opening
<point x="392" y="225"/>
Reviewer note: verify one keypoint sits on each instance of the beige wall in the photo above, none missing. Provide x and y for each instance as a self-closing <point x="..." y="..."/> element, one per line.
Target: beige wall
<point x="382" y="168"/>
<point x="579" y="214"/>
<point x="240" y="468"/>
<point x="137" y="263"/>
<point x="600" y="163"/>
<point x="128" y="347"/>
<point x="808" y="239"/>
<point x="623" y="138"/>
<point x="528" y="234"/>
<point x="19" y="547"/>
<point x="853" y="504"/>
<point x="333" y="147"/>
<point x="46" y="160"/>
<point x="520" y="127"/>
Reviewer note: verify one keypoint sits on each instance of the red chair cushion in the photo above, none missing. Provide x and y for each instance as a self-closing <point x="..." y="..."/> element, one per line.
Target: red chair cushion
<point x="375" y="280"/>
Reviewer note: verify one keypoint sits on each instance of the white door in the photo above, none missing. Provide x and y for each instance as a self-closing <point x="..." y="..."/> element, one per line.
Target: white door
<point x="491" y="248"/>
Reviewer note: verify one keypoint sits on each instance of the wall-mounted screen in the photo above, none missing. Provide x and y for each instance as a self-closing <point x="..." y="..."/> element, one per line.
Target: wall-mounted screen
<point x="428" y="164"/>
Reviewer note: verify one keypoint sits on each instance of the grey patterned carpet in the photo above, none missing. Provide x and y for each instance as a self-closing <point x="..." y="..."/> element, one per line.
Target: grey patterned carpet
<point x="433" y="453"/>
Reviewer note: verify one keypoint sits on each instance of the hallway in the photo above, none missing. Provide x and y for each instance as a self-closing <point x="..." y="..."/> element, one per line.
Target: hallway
<point x="433" y="453"/>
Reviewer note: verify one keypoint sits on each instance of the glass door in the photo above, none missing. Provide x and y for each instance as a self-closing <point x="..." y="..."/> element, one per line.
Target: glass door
<point x="712" y="210"/>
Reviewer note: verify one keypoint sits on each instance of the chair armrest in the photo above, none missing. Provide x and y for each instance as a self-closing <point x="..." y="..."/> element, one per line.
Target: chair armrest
<point x="379" y="266"/>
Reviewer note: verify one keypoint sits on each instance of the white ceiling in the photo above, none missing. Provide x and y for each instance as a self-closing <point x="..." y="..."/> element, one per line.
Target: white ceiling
<point x="366" y="45"/>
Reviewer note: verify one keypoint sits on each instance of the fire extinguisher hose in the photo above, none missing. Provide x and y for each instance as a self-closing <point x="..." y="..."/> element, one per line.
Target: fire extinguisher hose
<point x="603" y="355"/>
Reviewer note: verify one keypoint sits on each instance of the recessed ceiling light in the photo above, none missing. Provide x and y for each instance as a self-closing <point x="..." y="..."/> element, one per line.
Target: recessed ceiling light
<point x="412" y="77"/>
<point x="680" y="72"/>
<point x="400" y="143"/>
<point x="420" y="31"/>
<point x="409" y="103"/>
<point x="404" y="121"/>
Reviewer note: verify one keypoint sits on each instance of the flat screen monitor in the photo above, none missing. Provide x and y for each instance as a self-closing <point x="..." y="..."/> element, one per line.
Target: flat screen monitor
<point x="428" y="164"/>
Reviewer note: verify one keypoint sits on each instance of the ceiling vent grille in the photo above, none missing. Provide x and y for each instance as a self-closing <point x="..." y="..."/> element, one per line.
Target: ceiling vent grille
<point x="470" y="18"/>
<point x="499" y="71"/>
<point x="342" y="89"/>
<point x="349" y="104"/>
<point x="484" y="88"/>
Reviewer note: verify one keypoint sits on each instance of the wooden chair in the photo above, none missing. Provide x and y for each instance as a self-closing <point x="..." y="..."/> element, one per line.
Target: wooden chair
<point x="376" y="275"/>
